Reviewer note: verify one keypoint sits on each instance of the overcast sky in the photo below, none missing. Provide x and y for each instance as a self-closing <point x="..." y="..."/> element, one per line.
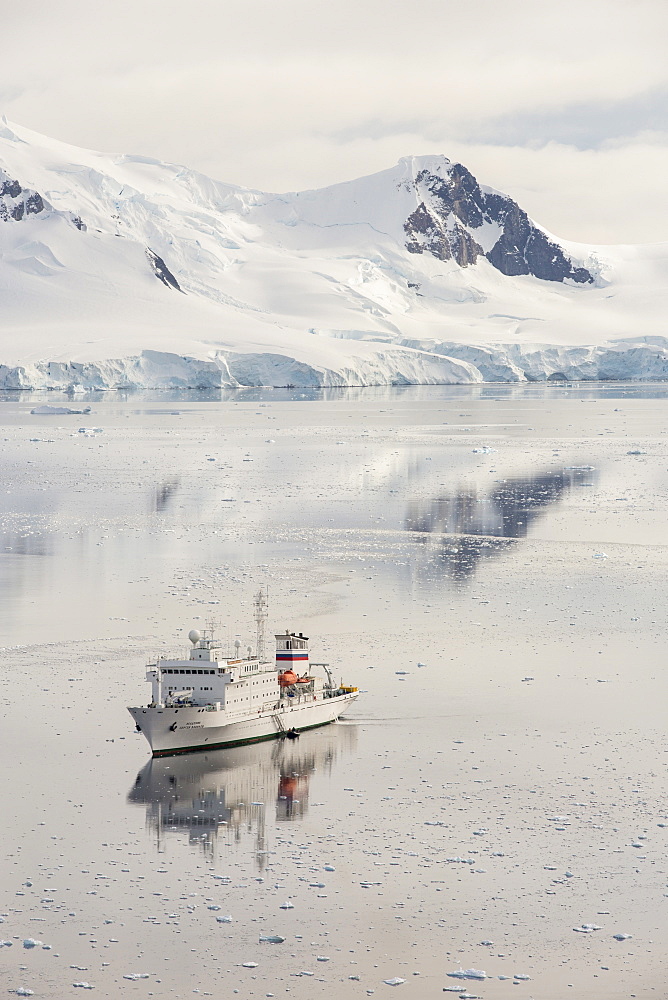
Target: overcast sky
<point x="560" y="103"/>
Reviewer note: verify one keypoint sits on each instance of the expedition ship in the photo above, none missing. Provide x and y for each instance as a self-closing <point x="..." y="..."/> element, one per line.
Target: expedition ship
<point x="210" y="700"/>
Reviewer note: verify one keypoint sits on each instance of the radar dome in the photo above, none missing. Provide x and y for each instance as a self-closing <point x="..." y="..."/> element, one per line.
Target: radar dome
<point x="194" y="636"/>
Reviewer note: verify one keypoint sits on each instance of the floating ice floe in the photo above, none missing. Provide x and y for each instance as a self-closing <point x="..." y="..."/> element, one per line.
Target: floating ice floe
<point x="58" y="410"/>
<point x="272" y="938"/>
<point x="622" y="937"/>
<point x="287" y="905"/>
<point x="485" y="450"/>
<point x="134" y="976"/>
<point x="467" y="974"/>
<point x="227" y="919"/>
<point x="249" y="965"/>
<point x="587" y="928"/>
<point x="31" y="943"/>
<point x="23" y="991"/>
<point x="395" y="981"/>
<point x="84" y="986"/>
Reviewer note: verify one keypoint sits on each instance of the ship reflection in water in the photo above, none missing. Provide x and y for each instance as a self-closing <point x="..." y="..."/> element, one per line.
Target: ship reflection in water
<point x="479" y="524"/>
<point x="231" y="792"/>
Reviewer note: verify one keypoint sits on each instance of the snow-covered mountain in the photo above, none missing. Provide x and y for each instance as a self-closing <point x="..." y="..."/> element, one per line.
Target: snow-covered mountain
<point x="124" y="271"/>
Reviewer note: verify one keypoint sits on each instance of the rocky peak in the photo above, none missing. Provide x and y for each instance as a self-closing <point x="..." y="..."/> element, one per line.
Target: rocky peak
<point x="458" y="220"/>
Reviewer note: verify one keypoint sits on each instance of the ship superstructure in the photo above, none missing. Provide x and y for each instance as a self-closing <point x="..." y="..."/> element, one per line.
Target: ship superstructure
<point x="210" y="699"/>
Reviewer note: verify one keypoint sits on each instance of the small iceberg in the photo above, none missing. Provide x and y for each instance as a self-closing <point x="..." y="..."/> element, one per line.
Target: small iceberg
<point x="57" y="410"/>
<point x="467" y="974"/>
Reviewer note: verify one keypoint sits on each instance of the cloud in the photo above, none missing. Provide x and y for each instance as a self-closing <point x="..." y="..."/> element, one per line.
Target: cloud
<point x="290" y="94"/>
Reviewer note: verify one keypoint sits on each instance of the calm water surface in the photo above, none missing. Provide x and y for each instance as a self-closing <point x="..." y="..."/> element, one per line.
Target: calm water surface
<point x="490" y="565"/>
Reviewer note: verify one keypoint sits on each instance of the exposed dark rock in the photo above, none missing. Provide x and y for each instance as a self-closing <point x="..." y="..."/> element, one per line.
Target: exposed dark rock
<point x="161" y="270"/>
<point x="460" y="194"/>
<point x="17" y="203"/>
<point x="34" y="204"/>
<point x="429" y="232"/>
<point x="10" y="188"/>
<point x="465" y="250"/>
<point x="524" y="249"/>
<point x="453" y="207"/>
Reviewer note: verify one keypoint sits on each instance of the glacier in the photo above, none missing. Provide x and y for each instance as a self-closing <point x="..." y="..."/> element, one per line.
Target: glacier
<point x="126" y="272"/>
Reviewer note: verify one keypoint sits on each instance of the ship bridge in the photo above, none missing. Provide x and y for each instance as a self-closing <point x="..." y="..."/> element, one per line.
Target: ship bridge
<point x="291" y="651"/>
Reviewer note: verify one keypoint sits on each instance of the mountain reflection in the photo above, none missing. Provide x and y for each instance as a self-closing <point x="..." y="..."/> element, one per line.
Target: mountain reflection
<point x="232" y="791"/>
<point x="479" y="524"/>
<point x="164" y="494"/>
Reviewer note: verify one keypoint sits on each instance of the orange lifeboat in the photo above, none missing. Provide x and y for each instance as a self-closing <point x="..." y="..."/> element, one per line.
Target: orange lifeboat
<point x="303" y="680"/>
<point x="287" y="678"/>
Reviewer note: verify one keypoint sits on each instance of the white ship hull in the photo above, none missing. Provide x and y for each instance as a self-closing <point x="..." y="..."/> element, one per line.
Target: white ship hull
<point x="179" y="730"/>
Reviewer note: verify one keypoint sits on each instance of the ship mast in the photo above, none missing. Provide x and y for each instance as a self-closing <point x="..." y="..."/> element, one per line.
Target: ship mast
<point x="261" y="604"/>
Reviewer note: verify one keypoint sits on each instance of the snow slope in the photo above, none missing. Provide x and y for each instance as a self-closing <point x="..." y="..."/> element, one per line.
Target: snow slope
<point x="130" y="272"/>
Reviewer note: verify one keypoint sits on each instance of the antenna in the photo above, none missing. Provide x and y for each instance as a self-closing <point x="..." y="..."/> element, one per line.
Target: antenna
<point x="261" y="603"/>
<point x="212" y="625"/>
